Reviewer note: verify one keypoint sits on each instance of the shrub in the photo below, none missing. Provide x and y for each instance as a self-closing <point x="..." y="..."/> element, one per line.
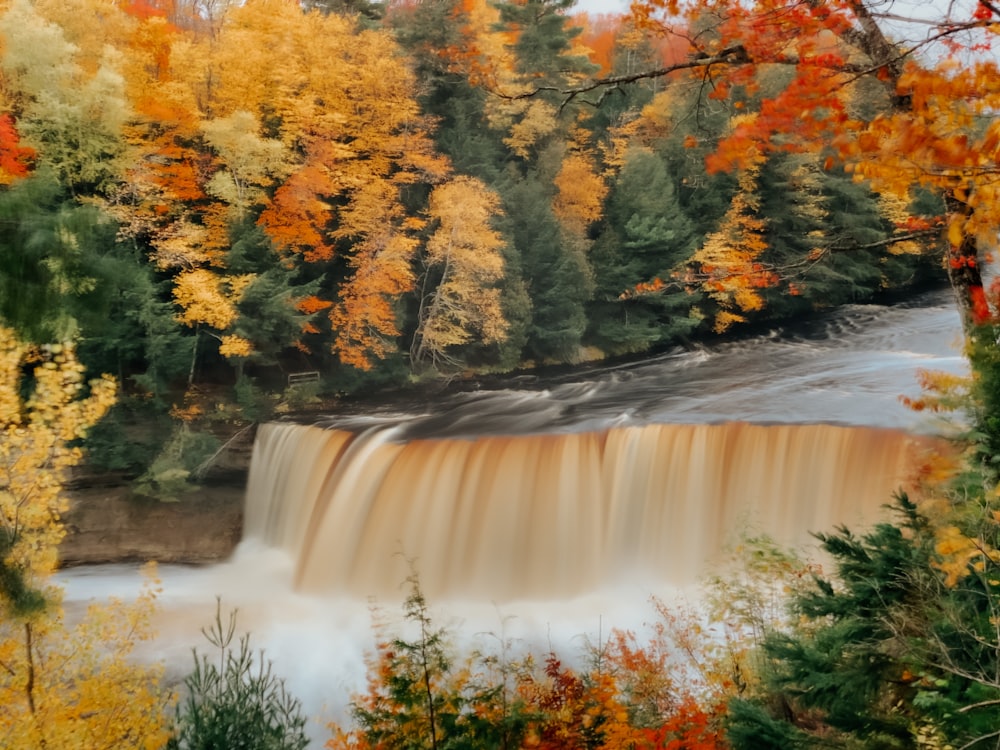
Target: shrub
<point x="234" y="701"/>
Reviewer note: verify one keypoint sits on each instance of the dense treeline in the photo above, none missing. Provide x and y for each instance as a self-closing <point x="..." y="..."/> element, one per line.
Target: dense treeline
<point x="207" y="193"/>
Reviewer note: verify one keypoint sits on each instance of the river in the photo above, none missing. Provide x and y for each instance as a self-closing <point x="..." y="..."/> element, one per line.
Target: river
<point x="593" y="453"/>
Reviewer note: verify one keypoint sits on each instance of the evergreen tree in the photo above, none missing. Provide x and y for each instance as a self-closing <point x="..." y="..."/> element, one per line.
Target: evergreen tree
<point x="646" y="236"/>
<point x="235" y="702"/>
<point x="420" y="697"/>
<point x="270" y="310"/>
<point x="818" y="224"/>
<point x="558" y="282"/>
<point x="898" y="647"/>
<point x="544" y="39"/>
<point x="47" y="248"/>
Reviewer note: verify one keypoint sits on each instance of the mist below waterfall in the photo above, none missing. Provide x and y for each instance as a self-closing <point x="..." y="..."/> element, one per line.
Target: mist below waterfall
<point x="549" y="512"/>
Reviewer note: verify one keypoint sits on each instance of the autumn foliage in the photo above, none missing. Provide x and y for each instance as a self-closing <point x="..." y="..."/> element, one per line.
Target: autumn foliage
<point x="423" y="693"/>
<point x="253" y="156"/>
<point x="61" y="685"/>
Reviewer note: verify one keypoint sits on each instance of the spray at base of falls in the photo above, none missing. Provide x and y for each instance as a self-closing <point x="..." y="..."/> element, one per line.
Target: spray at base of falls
<point x="549" y="541"/>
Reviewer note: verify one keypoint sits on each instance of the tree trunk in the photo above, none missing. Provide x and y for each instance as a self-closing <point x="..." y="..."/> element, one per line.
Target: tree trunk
<point x="965" y="271"/>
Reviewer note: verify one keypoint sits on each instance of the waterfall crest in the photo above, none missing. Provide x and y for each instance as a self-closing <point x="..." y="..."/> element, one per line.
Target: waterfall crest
<point x="551" y="516"/>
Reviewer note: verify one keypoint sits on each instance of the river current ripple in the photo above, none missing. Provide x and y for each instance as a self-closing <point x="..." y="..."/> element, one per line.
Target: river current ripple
<point x="849" y="367"/>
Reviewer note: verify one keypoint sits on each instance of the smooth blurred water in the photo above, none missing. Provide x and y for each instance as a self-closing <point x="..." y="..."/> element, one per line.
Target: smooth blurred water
<point x="849" y="368"/>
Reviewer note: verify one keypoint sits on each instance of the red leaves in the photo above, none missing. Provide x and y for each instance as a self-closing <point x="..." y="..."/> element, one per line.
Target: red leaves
<point x="144" y="10"/>
<point x="15" y="160"/>
<point x="809" y="107"/>
<point x="919" y="224"/>
<point x="692" y="727"/>
<point x="979" y="307"/>
<point x="643" y="288"/>
<point x="983" y="12"/>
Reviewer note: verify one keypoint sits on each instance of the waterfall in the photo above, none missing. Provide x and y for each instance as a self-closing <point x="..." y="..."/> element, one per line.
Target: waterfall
<point x="550" y="516"/>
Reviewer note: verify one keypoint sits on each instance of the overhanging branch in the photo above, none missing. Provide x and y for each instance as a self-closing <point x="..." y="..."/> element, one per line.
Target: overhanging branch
<point x="730" y="56"/>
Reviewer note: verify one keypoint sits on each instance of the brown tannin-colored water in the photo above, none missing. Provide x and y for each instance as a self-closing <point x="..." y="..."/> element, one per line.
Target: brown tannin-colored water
<point x="536" y="516"/>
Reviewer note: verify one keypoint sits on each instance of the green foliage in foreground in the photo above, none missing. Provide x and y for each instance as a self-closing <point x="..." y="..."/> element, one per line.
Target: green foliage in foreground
<point x="234" y="701"/>
<point x="899" y="648"/>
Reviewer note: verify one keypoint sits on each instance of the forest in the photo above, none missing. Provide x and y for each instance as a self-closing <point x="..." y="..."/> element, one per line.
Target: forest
<point x="204" y="203"/>
<point x="212" y="197"/>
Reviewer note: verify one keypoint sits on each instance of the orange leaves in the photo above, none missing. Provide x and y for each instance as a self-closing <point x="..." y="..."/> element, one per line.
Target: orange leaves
<point x="643" y="288"/>
<point x="692" y="727"/>
<point x="728" y="259"/>
<point x="312" y="304"/>
<point x="834" y="65"/>
<point x="916" y="224"/>
<point x="632" y="695"/>
<point x="741" y="149"/>
<point x="979" y="307"/>
<point x="803" y="116"/>
<point x="576" y="710"/>
<point x="297" y="214"/>
<point x="365" y="316"/>
<point x="599" y="36"/>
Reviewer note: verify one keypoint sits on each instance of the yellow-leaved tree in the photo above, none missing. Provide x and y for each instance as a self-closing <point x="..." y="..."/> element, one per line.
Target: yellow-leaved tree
<point x="465" y="254"/>
<point x="729" y="258"/>
<point x="61" y="686"/>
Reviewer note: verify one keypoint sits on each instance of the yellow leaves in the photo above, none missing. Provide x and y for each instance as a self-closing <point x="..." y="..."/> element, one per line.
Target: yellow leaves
<point x="76" y="687"/>
<point x="235" y="346"/>
<point x="728" y="260"/>
<point x="206" y="298"/>
<point x="905" y="247"/>
<point x="61" y="687"/>
<point x="960" y="555"/>
<point x="12" y="354"/>
<point x="538" y="119"/>
<point x="251" y="162"/>
<point x="580" y="193"/>
<point x="940" y="391"/>
<point x="725" y="319"/>
<point x="468" y="251"/>
<point x="34" y="450"/>
<point x="181" y="245"/>
<point x="956" y="231"/>
<point x="895" y="207"/>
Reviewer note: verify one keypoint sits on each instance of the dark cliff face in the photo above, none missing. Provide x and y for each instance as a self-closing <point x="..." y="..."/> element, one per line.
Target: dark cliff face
<point x="107" y="524"/>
